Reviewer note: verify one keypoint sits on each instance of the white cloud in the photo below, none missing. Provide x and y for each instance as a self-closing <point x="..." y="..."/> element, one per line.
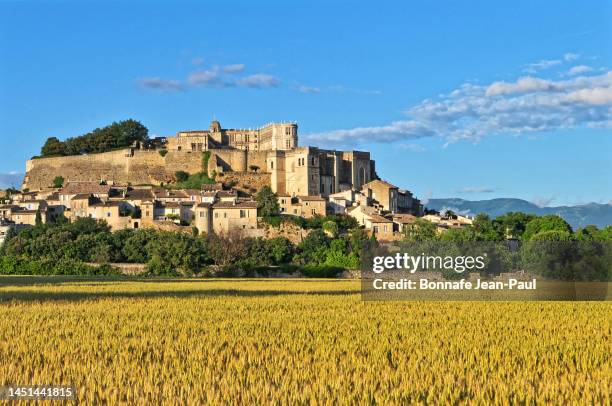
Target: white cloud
<point x="309" y="89"/>
<point x="259" y="80"/>
<point x="542" y="201"/>
<point x="568" y="57"/>
<point x="523" y="85"/>
<point x="594" y="96"/>
<point x="235" y="68"/>
<point x="472" y="112"/>
<point x="411" y="147"/>
<point x="160" y="84"/>
<point x="216" y="77"/>
<point x="472" y="189"/>
<point x="209" y="77"/>
<point x="577" y="70"/>
<point x="541" y="65"/>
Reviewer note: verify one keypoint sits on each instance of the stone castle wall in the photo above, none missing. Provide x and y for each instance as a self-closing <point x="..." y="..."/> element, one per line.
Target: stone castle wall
<point x="136" y="167"/>
<point x="235" y="160"/>
<point x="119" y="167"/>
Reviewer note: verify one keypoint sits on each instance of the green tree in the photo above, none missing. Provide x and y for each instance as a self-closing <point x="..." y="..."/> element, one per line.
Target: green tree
<point x="487" y="229"/>
<point x="545" y="223"/>
<point x="513" y="224"/>
<point x="116" y="135"/>
<point x="330" y="228"/>
<point x="280" y="250"/>
<point x="58" y="182"/>
<point x="420" y="230"/>
<point x="52" y="147"/>
<point x="181" y="176"/>
<point x="312" y="249"/>
<point x="267" y="202"/>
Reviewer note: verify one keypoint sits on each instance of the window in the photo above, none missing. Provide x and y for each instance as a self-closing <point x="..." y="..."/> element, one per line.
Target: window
<point x="243" y="214"/>
<point x="294" y="211"/>
<point x="313" y="211"/>
<point x="108" y="214"/>
<point x="179" y="148"/>
<point x="288" y="144"/>
<point x="216" y="215"/>
<point x="375" y="228"/>
<point x="271" y="164"/>
<point x="224" y="215"/>
<point x="201" y="214"/>
<point x="313" y="161"/>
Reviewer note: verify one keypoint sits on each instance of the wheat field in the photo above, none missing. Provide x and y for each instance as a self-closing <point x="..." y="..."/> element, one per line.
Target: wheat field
<point x="296" y="341"/>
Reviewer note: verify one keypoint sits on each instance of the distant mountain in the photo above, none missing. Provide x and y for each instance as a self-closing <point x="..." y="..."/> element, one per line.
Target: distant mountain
<point x="578" y="216"/>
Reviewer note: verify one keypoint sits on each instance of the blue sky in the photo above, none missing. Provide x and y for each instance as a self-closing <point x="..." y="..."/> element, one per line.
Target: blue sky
<point x="454" y="99"/>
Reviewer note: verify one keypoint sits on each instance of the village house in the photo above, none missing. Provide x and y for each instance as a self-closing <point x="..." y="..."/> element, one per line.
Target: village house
<point x="341" y="201"/>
<point x="226" y="217"/>
<point x="303" y="206"/>
<point x="71" y="189"/>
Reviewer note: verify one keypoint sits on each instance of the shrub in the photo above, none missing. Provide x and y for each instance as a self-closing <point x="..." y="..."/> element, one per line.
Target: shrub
<point x="58" y="182"/>
<point x="181" y="176"/>
<point x="321" y="271"/>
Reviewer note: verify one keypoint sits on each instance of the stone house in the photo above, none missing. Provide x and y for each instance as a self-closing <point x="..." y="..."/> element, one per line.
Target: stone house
<point x="380" y="227"/>
<point x="226" y="217"/>
<point x="383" y="193"/>
<point x="303" y="206"/>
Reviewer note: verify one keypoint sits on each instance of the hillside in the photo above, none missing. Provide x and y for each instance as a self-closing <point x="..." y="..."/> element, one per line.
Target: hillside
<point x="578" y="216"/>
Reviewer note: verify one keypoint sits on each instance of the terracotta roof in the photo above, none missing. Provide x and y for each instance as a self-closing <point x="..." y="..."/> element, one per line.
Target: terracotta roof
<point x="81" y="196"/>
<point x="380" y="181"/>
<point x="375" y="218"/>
<point x="139" y="194"/>
<point x="211" y="187"/>
<point x="226" y="193"/>
<point x="237" y="205"/>
<point x="168" y="193"/>
<point x="404" y="218"/>
<point x="208" y="205"/>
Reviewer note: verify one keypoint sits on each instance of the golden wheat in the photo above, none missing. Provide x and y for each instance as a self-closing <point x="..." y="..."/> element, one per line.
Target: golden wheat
<point x="296" y="341"/>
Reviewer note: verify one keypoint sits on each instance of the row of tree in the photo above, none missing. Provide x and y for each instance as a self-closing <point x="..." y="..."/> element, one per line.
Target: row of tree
<point x="510" y="226"/>
<point x="170" y="253"/>
<point x="117" y="135"/>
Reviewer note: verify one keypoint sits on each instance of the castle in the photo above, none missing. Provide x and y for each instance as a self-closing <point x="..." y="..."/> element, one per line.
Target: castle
<point x="122" y="186"/>
<point x="273" y="149"/>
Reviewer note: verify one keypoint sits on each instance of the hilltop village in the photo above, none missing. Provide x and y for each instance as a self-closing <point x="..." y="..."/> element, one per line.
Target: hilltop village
<point x="141" y="186"/>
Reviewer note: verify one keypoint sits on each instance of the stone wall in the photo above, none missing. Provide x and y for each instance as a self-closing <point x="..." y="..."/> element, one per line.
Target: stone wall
<point x="233" y="160"/>
<point x="245" y="181"/>
<point x="127" y="166"/>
